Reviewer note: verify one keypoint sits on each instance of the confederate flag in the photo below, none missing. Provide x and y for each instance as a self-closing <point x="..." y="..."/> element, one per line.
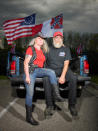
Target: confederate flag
<point x="48" y="28"/>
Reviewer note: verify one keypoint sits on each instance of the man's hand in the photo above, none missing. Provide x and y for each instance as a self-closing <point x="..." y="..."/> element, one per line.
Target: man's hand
<point x="63" y="74"/>
<point x="62" y="80"/>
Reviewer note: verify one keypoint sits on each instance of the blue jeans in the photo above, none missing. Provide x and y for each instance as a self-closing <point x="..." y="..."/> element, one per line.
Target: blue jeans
<point x="38" y="72"/>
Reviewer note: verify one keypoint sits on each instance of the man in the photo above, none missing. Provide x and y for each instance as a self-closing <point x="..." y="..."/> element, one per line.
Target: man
<point x="58" y="59"/>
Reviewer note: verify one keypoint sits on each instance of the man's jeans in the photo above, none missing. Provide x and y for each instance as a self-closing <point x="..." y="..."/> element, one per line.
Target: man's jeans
<point x="38" y="72"/>
<point x="72" y="83"/>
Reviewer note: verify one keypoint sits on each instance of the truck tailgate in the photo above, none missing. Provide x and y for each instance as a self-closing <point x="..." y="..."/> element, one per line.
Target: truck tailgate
<point x="20" y="78"/>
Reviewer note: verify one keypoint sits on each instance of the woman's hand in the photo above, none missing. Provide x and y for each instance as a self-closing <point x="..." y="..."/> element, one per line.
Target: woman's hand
<point x="26" y="68"/>
<point x="28" y="80"/>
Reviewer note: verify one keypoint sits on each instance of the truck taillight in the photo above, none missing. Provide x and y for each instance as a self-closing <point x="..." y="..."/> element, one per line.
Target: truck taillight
<point x="13" y="67"/>
<point x="86" y="67"/>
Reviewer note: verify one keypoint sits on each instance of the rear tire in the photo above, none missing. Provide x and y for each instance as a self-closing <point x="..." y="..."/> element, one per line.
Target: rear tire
<point x="13" y="92"/>
<point x="18" y="90"/>
<point x="21" y="93"/>
<point x="79" y="92"/>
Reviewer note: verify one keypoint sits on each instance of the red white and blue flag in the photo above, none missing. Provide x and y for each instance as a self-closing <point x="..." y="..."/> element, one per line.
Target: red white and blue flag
<point x="79" y="49"/>
<point x="12" y="50"/>
<point x="48" y="28"/>
<point x="18" y="28"/>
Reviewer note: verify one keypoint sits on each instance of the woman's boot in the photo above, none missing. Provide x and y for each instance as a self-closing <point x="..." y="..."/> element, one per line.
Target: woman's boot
<point x="29" y="117"/>
<point x="56" y="94"/>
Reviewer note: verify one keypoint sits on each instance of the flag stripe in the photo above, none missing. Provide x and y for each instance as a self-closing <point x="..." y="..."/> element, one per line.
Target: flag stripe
<point x="19" y="36"/>
<point x="18" y="27"/>
<point x="12" y="21"/>
<point x="9" y="25"/>
<point x="18" y="33"/>
<point x="12" y="26"/>
<point x="25" y="35"/>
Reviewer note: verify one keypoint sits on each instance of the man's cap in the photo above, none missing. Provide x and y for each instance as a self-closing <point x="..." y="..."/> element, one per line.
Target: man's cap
<point x="57" y="33"/>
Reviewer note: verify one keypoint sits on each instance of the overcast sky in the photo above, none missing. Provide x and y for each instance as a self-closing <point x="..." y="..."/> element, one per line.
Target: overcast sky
<point x="78" y="15"/>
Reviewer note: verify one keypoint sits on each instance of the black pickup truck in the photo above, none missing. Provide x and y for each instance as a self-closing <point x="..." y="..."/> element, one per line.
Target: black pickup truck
<point x="15" y="71"/>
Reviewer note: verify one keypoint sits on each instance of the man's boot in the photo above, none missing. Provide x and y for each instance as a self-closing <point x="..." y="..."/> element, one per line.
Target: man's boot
<point x="49" y="111"/>
<point x="73" y="111"/>
<point x="56" y="94"/>
<point x="29" y="117"/>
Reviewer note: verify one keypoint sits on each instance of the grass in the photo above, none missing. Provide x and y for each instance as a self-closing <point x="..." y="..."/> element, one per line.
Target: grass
<point x="3" y="77"/>
<point x="94" y="79"/>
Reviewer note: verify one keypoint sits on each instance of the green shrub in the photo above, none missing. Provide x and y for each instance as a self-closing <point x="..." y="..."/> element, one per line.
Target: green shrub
<point x="3" y="77"/>
<point x="94" y="79"/>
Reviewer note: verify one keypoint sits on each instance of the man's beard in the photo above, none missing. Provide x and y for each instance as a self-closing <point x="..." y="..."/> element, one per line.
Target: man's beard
<point x="57" y="45"/>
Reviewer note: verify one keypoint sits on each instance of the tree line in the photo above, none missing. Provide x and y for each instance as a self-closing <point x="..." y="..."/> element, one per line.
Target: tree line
<point x="88" y="41"/>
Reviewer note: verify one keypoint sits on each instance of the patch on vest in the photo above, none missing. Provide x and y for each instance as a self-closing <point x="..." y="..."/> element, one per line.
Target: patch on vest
<point x="62" y="54"/>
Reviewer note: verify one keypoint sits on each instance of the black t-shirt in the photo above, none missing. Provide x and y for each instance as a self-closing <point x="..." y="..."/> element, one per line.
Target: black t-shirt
<point x="57" y="56"/>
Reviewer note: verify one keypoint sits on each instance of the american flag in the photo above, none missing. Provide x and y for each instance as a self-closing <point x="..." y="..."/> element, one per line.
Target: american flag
<point x="18" y="28"/>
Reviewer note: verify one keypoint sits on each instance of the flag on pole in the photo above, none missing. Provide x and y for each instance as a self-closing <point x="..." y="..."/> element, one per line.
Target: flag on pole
<point x="48" y="28"/>
<point x="17" y="28"/>
<point x="12" y="50"/>
<point x="79" y="49"/>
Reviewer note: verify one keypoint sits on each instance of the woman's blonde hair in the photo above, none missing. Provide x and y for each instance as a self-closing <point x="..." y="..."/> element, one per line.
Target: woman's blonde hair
<point x="44" y="47"/>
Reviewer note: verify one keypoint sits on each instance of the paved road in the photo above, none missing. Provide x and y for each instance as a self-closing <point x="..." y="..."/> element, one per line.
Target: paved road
<point x="12" y="112"/>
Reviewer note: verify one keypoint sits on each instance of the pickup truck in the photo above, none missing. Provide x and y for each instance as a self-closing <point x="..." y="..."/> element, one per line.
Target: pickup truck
<point x="15" y="71"/>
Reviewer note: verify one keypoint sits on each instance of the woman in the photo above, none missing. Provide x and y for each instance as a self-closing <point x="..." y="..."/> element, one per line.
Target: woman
<point x="36" y="70"/>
